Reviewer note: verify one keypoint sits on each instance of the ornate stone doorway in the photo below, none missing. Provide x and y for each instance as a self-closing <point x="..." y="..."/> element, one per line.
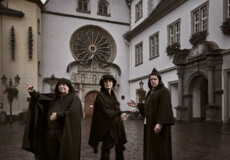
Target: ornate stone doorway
<point x="89" y="103"/>
<point x="200" y="91"/>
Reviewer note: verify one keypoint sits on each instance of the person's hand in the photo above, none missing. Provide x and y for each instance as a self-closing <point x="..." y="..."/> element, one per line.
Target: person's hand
<point x="123" y="117"/>
<point x="53" y="116"/>
<point x="29" y="88"/>
<point x="132" y="103"/>
<point x="157" y="128"/>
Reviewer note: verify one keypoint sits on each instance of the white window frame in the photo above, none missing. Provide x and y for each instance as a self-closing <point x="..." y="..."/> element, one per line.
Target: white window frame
<point x="200" y="18"/>
<point x="139" y="53"/>
<point x="154" y="45"/>
<point x="174" y="32"/>
<point x="139" y="10"/>
<point x="82" y="9"/>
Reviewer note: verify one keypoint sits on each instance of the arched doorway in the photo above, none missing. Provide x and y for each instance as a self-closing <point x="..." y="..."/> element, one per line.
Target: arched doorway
<point x="199" y="91"/>
<point x="89" y="102"/>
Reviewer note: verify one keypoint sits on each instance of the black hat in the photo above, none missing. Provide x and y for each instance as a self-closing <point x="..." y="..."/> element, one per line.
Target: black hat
<point x="64" y="81"/>
<point x="107" y="76"/>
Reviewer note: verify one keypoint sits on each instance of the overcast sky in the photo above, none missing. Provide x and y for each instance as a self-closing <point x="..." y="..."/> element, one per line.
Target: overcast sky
<point x="43" y="1"/>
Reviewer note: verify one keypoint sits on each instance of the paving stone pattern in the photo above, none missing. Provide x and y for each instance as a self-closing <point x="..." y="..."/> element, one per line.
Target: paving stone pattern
<point x="191" y="141"/>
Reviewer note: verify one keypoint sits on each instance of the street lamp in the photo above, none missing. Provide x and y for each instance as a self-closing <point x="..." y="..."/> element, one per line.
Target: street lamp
<point x="11" y="90"/>
<point x="141" y="92"/>
<point x="141" y="84"/>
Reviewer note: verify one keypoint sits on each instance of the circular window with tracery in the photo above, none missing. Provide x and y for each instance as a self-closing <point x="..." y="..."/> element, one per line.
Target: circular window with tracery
<point x="92" y="44"/>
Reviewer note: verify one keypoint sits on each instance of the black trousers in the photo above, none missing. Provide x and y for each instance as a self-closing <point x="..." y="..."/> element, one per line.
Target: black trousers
<point x="53" y="143"/>
<point x="107" y="145"/>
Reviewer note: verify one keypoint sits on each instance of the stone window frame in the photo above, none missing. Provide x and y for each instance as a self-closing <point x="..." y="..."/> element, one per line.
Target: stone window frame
<point x="174" y="32"/>
<point x="199" y="18"/>
<point x="154" y="43"/>
<point x="139" y="10"/>
<point x="139" y="54"/>
<point x="105" y="8"/>
<point x="83" y="9"/>
<point x="226" y="9"/>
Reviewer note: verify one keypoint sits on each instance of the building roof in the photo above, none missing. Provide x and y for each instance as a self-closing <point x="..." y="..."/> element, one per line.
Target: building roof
<point x="162" y="9"/>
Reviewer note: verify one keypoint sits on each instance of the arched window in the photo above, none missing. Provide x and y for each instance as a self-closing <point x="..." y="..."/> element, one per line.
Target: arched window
<point x="103" y="8"/>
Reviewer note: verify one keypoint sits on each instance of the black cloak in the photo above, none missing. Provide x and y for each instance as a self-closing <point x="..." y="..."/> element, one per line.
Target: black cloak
<point x="106" y="116"/>
<point x="34" y="139"/>
<point x="157" y="110"/>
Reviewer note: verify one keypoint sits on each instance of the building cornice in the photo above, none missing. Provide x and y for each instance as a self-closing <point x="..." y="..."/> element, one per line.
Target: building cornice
<point x="162" y="9"/>
<point x="82" y="17"/>
<point x="226" y="52"/>
<point x="10" y="12"/>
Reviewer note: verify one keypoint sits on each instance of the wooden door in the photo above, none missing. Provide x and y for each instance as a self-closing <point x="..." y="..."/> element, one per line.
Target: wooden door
<point x="89" y="101"/>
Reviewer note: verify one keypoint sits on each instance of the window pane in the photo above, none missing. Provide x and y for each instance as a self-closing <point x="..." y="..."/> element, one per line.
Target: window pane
<point x="80" y="6"/>
<point x="196" y="17"/>
<point x="105" y="10"/>
<point x="204" y="18"/>
<point x="100" y="9"/>
<point x="156" y="45"/>
<point x="85" y="6"/>
<point x="151" y="47"/>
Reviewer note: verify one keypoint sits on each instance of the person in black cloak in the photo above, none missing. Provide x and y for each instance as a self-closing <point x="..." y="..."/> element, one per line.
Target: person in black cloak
<point x="158" y="114"/>
<point x="107" y="121"/>
<point x="53" y="126"/>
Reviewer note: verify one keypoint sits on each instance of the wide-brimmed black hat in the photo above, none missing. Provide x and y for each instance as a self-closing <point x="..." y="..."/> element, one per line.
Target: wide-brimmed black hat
<point x="107" y="76"/>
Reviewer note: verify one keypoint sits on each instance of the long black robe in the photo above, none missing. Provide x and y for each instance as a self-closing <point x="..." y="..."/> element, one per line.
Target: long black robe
<point x="157" y="110"/>
<point x="106" y="117"/>
<point x="34" y="139"/>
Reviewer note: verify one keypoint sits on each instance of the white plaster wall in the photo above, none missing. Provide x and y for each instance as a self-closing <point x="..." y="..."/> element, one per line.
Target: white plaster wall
<point x="174" y="97"/>
<point x="118" y="9"/>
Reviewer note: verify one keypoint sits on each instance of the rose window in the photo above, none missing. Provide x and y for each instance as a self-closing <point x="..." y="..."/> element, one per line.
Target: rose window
<point x="92" y="44"/>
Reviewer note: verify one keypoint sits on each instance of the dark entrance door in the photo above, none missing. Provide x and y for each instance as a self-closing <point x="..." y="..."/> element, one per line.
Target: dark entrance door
<point x="203" y="98"/>
<point x="89" y="101"/>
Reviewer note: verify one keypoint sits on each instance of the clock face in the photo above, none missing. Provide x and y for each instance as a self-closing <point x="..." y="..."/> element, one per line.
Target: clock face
<point x="92" y="44"/>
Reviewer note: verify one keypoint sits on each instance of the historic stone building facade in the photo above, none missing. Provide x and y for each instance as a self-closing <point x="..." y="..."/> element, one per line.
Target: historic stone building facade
<point x="84" y="39"/>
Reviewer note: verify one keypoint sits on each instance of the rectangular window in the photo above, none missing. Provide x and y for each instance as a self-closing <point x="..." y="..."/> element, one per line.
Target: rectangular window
<point x="154" y="45"/>
<point x="138" y="10"/>
<point x="138" y="54"/>
<point x="200" y="18"/>
<point x="83" y="6"/>
<point x="174" y="32"/>
<point x="39" y="68"/>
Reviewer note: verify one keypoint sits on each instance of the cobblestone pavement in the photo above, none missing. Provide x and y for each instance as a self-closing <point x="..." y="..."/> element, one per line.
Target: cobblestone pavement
<point x="191" y="141"/>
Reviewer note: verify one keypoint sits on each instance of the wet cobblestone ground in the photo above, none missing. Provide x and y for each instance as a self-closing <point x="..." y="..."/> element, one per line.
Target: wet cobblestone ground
<point x="191" y="141"/>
